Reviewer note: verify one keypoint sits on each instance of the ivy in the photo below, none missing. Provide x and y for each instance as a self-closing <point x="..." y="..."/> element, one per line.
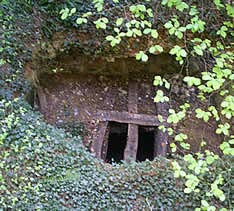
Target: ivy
<point x="175" y="28"/>
<point x="179" y="5"/>
<point x="201" y="47"/>
<point x="192" y="81"/>
<point x="196" y="25"/>
<point x="223" y="129"/>
<point x="223" y="31"/>
<point x="200" y="114"/>
<point x="227" y="106"/>
<point x="160" y="97"/>
<point x="226" y="146"/>
<point x="179" y="52"/>
<point x="142" y="56"/>
<point x="155" y="48"/>
<point x="44" y="168"/>
<point x="66" y="13"/>
<point x="101" y="23"/>
<point x="175" y="117"/>
<point x="230" y="10"/>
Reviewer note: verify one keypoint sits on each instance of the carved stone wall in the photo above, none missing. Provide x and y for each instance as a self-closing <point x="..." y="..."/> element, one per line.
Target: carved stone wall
<point x="97" y="92"/>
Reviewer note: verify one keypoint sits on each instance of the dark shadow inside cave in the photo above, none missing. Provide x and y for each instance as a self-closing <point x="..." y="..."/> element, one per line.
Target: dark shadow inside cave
<point x="117" y="141"/>
<point x="31" y="97"/>
<point x="145" y="143"/>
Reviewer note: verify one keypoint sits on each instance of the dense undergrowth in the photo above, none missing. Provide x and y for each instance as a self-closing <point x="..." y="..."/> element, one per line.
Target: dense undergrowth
<point x="44" y="168"/>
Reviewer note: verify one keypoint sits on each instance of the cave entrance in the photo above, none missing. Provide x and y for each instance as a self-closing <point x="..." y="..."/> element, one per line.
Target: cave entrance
<point x="132" y="136"/>
<point x="117" y="141"/>
<point x="118" y="137"/>
<point x="115" y="116"/>
<point x="146" y="143"/>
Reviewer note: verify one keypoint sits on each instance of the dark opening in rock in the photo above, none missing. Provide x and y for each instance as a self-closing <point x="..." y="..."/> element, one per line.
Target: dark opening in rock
<point x="32" y="98"/>
<point x="146" y="143"/>
<point x="96" y="92"/>
<point x="116" y="142"/>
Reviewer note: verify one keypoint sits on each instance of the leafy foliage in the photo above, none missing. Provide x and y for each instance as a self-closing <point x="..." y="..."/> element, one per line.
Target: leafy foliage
<point x="43" y="168"/>
<point x="139" y="24"/>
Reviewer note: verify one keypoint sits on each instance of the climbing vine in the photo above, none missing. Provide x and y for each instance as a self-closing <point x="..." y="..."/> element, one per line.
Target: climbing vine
<point x="44" y="168"/>
<point x="191" y="37"/>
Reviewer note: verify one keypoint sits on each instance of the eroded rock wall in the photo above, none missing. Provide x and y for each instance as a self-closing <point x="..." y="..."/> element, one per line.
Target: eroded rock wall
<point x="80" y="86"/>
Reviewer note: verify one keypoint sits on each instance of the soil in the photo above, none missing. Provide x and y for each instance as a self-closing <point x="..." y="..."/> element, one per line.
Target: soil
<point x="75" y="87"/>
<point x="70" y="97"/>
<point x="78" y="97"/>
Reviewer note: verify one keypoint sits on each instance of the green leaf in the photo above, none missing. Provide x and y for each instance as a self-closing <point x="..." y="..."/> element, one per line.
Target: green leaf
<point x="185" y="145"/>
<point x="204" y="203"/>
<point x="222" y="31"/>
<point x="101" y="25"/>
<point x="147" y="31"/>
<point x="230" y="10"/>
<point x="181" y="137"/>
<point x="65" y="13"/>
<point x="109" y="38"/>
<point x="119" y="21"/>
<point x="117" y="30"/>
<point x="181" y="6"/>
<point x="155" y="48"/>
<point x="223" y="128"/>
<point x="173" y="148"/>
<point x="154" y="33"/>
<point x="64" y="16"/>
<point x="218" y="4"/>
<point x="73" y="10"/>
<point x="129" y="33"/>
<point x="164" y="2"/>
<point x="137" y="32"/>
<point x="175" y="49"/>
<point x="86" y="15"/>
<point x="176" y="174"/>
<point x="168" y="25"/>
<point x="193" y="11"/>
<point x="176" y="22"/>
<point x="160" y="97"/>
<point x="105" y="20"/>
<point x="183" y="53"/>
<point x="152" y="49"/>
<point x="79" y="21"/>
<point x="198" y="50"/>
<point x="192" y="81"/>
<point x="150" y="13"/>
<point x="144" y="58"/>
<point x="179" y="34"/>
<point x="210" y="159"/>
<point x="158" y="81"/>
<point x="187" y="190"/>
<point x="170" y="131"/>
<point x="159" y="48"/>
<point x="172" y="31"/>
<point x="160" y="119"/>
<point x="200" y="114"/>
<point x="166" y="84"/>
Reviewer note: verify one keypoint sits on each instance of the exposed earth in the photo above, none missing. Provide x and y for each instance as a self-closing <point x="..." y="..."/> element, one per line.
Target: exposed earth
<point x="82" y="94"/>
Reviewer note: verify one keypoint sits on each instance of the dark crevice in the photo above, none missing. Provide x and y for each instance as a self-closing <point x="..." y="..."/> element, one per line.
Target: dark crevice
<point x="146" y="143"/>
<point x="32" y="98"/>
<point x="116" y="142"/>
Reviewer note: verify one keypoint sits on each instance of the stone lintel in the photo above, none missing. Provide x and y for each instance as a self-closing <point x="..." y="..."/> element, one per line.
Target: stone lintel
<point x="128" y="118"/>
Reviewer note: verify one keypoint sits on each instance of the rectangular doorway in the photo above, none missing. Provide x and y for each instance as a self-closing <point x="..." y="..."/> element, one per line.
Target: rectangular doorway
<point x="117" y="141"/>
<point x="146" y="143"/>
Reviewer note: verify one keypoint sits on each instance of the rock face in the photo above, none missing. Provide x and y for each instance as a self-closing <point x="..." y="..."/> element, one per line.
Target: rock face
<point x="113" y="99"/>
<point x="98" y="101"/>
